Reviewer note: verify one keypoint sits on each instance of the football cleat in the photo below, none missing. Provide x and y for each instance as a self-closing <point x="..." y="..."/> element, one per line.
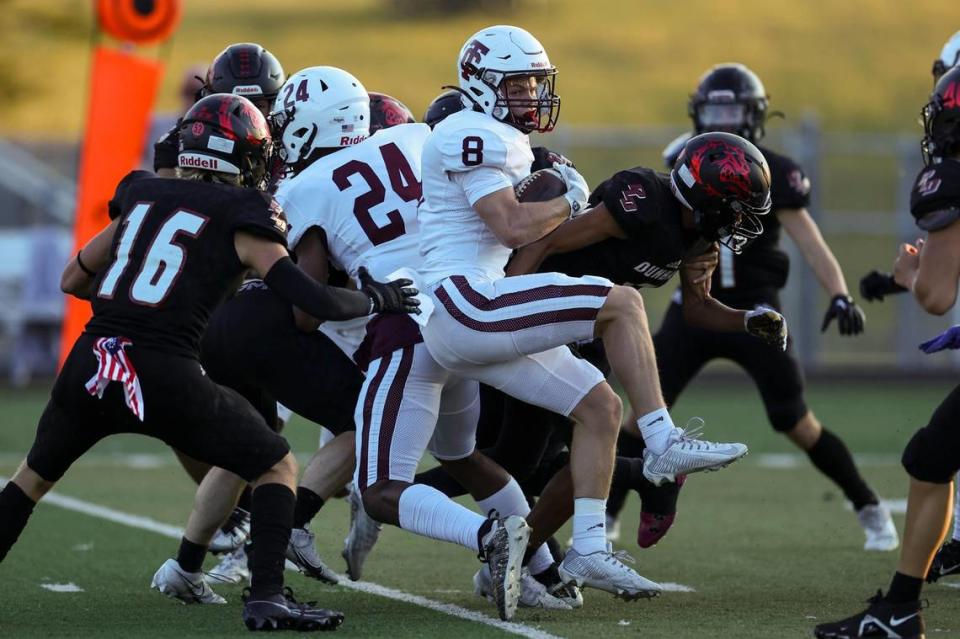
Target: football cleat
<point x="533" y="594"/>
<point x="501" y="548"/>
<point x="284" y="612"/>
<point x="686" y="454"/>
<point x="232" y="568"/>
<point x="658" y="510"/>
<point x="881" y="619"/>
<point x="363" y="535"/>
<point x="233" y="534"/>
<point x="878" y="527"/>
<point x="302" y="552"/>
<point x="605" y="570"/>
<point x="568" y="593"/>
<point x="188" y="587"/>
<point x="946" y="562"/>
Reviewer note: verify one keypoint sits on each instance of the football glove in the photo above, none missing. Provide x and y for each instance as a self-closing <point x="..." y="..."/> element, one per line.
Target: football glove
<point x="394" y="297"/>
<point x="849" y="316"/>
<point x="577" y="190"/>
<point x="768" y="325"/>
<point x="874" y="285"/>
<point x="950" y="338"/>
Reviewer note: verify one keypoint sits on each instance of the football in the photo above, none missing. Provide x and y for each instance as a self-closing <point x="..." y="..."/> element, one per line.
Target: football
<point x="540" y="186"/>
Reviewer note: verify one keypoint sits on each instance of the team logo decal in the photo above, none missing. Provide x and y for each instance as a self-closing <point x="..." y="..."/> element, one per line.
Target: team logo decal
<point x="928" y="184"/>
<point x="471" y="57"/>
<point x="629" y="197"/>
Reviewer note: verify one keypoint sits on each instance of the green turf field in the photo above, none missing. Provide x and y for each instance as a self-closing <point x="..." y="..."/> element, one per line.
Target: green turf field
<point x="767" y="549"/>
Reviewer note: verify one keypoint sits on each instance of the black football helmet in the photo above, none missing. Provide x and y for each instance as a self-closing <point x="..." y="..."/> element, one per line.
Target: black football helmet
<point x="387" y="111"/>
<point x="246" y="69"/>
<point x="225" y="133"/>
<point x="443" y="105"/>
<point x="724" y="179"/>
<point x="730" y="98"/>
<point x="941" y="119"/>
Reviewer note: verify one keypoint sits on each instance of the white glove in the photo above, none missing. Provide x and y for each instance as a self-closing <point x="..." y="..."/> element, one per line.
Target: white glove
<point x="577" y="189"/>
<point x="770" y="326"/>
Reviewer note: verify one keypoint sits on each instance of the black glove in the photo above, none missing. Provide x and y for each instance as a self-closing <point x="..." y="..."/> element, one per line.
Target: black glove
<point x="874" y="285"/>
<point x="394" y="297"/>
<point x="850" y="317"/>
<point x="768" y="325"/>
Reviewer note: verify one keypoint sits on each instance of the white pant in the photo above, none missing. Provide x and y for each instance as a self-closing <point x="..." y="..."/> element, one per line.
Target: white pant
<point x="511" y="334"/>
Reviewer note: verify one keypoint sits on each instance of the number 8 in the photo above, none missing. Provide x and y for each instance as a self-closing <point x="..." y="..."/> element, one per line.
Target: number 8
<point x="472" y="151"/>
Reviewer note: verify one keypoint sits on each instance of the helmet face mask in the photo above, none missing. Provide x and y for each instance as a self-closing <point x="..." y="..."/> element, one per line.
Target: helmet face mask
<point x="490" y="65"/>
<point x="730" y="98"/>
<point x="725" y="181"/>
<point x="941" y="119"/>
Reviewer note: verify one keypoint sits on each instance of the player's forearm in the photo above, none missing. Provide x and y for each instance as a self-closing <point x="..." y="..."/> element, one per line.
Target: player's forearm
<point x="711" y="315"/>
<point x="530" y="221"/>
<point x="825" y="268"/>
<point x="317" y="300"/>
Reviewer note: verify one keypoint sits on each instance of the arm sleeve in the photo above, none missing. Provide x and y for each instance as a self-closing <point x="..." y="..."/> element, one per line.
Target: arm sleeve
<point x="480" y="182"/>
<point x="317" y="300"/>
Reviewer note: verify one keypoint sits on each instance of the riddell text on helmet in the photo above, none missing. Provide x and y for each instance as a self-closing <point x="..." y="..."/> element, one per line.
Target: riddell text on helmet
<point x="346" y="140"/>
<point x="196" y="161"/>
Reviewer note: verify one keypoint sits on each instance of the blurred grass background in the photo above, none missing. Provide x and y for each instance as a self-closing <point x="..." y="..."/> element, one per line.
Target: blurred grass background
<point x="860" y="64"/>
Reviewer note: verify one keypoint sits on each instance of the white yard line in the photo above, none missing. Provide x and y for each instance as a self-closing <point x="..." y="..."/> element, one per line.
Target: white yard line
<point x="173" y="532"/>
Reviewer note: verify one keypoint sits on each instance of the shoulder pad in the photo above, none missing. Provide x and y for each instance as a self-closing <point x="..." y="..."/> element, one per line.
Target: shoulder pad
<point x="935" y="197"/>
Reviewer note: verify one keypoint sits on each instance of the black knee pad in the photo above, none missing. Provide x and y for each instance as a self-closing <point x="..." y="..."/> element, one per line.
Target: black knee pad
<point x="932" y="455"/>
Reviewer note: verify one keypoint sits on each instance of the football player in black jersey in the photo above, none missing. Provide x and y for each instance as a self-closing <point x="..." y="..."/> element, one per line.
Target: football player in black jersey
<point x="172" y="252"/>
<point x="930" y="270"/>
<point x="245" y="69"/>
<point x="730" y="97"/>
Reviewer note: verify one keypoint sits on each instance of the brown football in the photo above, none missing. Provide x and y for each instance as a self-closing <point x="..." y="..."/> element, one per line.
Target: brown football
<point x="540" y="186"/>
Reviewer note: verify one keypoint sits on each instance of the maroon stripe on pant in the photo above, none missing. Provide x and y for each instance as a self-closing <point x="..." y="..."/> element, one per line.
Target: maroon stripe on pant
<point x="368" y="400"/>
<point x="391" y="409"/>
<point x="551" y="291"/>
<point x="516" y="323"/>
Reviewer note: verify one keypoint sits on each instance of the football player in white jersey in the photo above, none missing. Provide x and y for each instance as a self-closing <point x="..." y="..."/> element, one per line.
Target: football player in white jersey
<point x="510" y="332"/>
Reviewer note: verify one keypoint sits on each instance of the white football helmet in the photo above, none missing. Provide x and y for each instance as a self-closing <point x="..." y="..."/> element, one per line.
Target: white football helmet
<point x="319" y="108"/>
<point x="494" y="54"/>
<point x="949" y="57"/>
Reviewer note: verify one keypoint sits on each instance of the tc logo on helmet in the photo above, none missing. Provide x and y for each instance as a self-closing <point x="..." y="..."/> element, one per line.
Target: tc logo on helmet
<point x="471" y="57"/>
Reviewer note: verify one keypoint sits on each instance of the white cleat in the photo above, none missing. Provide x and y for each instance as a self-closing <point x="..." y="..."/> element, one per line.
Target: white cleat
<point x="235" y="536"/>
<point x="302" y="552"/>
<point x="189" y="587"/>
<point x="232" y="568"/>
<point x="363" y="535"/>
<point x="878" y="527"/>
<point x="605" y="570"/>
<point x="502" y="549"/>
<point x="533" y="594"/>
<point x="686" y="455"/>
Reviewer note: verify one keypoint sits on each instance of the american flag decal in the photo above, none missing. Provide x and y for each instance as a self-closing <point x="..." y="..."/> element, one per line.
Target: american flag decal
<point x="115" y="366"/>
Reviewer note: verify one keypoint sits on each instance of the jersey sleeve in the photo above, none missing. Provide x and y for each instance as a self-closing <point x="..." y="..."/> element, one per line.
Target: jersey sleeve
<point x="463" y="150"/>
<point x="115" y="206"/>
<point x="481" y="182"/>
<point x="790" y="187"/>
<point x="259" y="213"/>
<point x="630" y="197"/>
<point x="167" y="148"/>
<point x="935" y="197"/>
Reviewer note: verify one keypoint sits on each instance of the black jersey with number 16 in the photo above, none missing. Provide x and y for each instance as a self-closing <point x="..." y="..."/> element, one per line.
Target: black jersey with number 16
<point x="174" y="259"/>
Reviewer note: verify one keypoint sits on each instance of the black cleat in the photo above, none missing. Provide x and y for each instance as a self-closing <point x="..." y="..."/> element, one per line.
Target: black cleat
<point x="947" y="561"/>
<point x="283" y="612"/>
<point x="881" y="619"/>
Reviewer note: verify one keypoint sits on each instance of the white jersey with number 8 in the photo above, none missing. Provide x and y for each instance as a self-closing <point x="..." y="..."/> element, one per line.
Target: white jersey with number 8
<point x="468" y="155"/>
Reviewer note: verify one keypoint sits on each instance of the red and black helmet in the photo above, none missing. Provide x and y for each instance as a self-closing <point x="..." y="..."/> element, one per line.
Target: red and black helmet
<point x="387" y="111"/>
<point x="443" y="105"/>
<point x="225" y="133"/>
<point x="731" y="98"/>
<point x="941" y="119"/>
<point x="724" y="179"/>
<point x="245" y="69"/>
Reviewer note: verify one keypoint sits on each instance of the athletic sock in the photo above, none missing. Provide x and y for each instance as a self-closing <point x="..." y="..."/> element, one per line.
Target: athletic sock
<point x="510" y="500"/>
<point x="190" y="555"/>
<point x="832" y="458"/>
<point x="246" y="498"/>
<point x="589" y="525"/>
<point x="956" y="509"/>
<point x="15" y="510"/>
<point x="271" y="520"/>
<point x="904" y="589"/>
<point x="428" y="512"/>
<point x="627" y="475"/>
<point x="656" y="428"/>
<point x="308" y="505"/>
